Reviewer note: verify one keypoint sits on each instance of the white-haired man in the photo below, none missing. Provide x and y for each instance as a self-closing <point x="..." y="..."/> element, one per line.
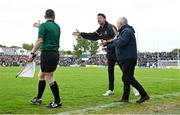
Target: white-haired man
<point x="126" y="54"/>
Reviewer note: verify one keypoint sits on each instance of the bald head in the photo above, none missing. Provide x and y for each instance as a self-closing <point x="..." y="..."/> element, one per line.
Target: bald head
<point x="121" y="22"/>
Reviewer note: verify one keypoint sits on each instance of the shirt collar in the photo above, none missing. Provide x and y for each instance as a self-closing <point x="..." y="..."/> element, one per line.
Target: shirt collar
<point x="105" y="25"/>
<point x="50" y="21"/>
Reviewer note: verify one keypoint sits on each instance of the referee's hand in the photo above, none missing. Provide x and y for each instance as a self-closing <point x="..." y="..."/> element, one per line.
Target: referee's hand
<point x="30" y="58"/>
<point x="36" y="24"/>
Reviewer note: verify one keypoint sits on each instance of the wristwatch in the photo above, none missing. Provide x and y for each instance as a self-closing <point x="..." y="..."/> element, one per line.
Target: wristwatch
<point x="33" y="54"/>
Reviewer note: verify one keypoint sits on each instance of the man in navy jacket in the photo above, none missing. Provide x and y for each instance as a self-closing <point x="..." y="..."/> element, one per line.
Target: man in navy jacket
<point x="126" y="54"/>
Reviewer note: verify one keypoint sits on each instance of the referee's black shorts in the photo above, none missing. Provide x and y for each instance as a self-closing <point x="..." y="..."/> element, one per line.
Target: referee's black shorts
<point x="49" y="61"/>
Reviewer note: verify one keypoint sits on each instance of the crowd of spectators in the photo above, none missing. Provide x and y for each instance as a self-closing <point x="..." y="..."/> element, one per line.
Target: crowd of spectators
<point x="147" y="59"/>
<point x="144" y="59"/>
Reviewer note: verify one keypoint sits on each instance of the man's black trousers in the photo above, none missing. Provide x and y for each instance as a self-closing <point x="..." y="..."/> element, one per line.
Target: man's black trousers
<point x="111" y="63"/>
<point x="128" y="67"/>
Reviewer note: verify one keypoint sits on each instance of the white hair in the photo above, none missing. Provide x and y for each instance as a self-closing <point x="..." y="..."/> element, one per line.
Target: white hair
<point x="123" y="20"/>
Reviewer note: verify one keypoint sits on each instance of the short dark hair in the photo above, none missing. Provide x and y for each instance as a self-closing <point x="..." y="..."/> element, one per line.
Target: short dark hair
<point x="101" y="14"/>
<point x="49" y="13"/>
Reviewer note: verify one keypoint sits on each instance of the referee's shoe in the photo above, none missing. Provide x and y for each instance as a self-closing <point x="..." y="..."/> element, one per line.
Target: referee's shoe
<point x="54" y="105"/>
<point x="36" y="101"/>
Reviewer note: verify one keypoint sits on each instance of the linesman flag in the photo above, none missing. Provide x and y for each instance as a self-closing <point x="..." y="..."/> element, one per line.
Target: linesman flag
<point x="28" y="70"/>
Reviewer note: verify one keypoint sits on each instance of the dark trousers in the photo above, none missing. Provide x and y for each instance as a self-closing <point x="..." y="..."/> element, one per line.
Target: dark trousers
<point x="128" y="67"/>
<point x="111" y="64"/>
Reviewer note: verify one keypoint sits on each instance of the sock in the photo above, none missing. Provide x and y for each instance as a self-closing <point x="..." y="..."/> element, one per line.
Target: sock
<point x="41" y="87"/>
<point x="55" y="91"/>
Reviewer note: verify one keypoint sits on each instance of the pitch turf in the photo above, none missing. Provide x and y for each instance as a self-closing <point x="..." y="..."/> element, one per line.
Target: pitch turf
<point x="82" y="89"/>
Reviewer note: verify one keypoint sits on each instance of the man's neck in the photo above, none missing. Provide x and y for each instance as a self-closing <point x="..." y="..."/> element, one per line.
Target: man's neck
<point x="103" y="24"/>
<point x="47" y="19"/>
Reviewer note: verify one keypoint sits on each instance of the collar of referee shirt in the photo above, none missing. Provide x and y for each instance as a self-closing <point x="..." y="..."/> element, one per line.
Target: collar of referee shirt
<point x="49" y="20"/>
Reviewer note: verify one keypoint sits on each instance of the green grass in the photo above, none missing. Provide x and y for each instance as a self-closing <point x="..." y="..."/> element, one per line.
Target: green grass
<point x="82" y="87"/>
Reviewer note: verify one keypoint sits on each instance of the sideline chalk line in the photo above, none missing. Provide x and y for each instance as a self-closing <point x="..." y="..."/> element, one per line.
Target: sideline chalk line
<point x="113" y="104"/>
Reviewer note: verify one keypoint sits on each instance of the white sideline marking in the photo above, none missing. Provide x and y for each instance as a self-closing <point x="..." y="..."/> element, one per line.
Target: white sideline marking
<point x="104" y="106"/>
<point x="165" y="79"/>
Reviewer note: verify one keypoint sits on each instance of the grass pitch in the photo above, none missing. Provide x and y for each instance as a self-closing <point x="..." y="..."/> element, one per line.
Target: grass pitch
<point x="81" y="91"/>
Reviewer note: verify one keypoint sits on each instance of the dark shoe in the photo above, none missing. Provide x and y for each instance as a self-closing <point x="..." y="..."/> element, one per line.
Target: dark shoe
<point x="36" y="101"/>
<point x="122" y="100"/>
<point x="54" y="105"/>
<point x="142" y="99"/>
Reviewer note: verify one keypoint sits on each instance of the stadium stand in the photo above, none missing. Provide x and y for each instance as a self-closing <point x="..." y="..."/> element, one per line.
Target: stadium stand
<point x="145" y="59"/>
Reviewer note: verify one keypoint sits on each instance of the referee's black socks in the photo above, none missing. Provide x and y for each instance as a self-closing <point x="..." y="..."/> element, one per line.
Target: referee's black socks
<point x="41" y="87"/>
<point x="55" y="91"/>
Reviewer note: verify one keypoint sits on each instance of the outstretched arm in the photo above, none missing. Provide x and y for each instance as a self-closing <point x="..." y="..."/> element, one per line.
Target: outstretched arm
<point x="89" y="36"/>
